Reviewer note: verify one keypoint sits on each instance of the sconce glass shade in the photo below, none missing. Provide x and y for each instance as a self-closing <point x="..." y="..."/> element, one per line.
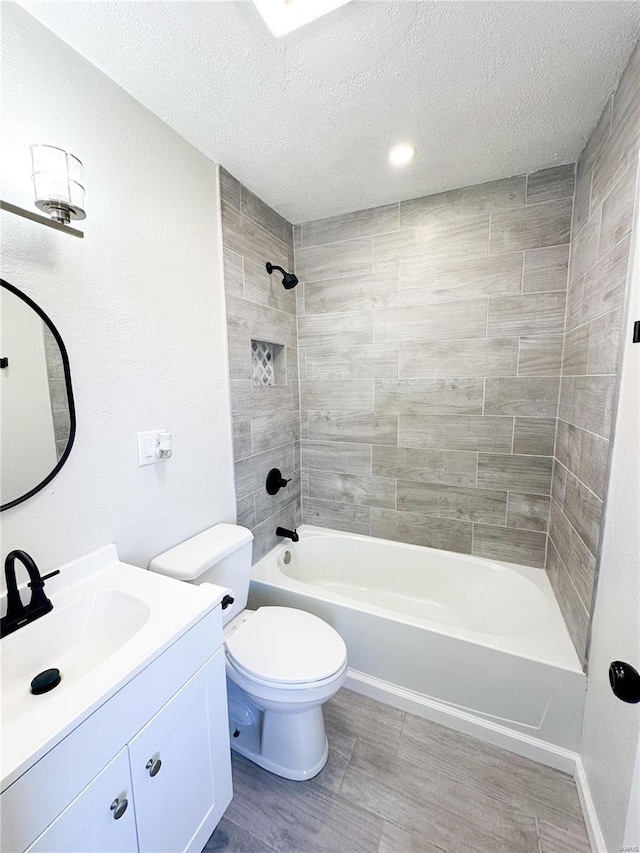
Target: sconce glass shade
<point x="57" y="178"/>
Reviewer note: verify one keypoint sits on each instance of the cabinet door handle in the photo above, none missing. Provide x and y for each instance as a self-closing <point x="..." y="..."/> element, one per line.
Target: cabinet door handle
<point x="153" y="766"/>
<point x="119" y="807"/>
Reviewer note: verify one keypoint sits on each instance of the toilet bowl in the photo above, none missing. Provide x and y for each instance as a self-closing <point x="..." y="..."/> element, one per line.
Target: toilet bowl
<point x="282" y="664"/>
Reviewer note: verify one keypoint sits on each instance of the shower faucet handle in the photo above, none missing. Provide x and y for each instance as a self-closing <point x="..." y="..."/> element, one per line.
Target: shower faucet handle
<point x="275" y="481"/>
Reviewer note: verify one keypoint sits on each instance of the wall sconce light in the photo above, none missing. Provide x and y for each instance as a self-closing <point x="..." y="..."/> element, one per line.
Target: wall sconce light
<point x="57" y="177"/>
<point x="57" y="182"/>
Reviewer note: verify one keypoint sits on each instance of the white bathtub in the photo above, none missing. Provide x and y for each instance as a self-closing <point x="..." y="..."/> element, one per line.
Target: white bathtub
<point x="478" y="645"/>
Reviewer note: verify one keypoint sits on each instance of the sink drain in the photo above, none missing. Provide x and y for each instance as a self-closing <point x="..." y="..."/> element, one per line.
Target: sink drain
<point x="45" y="681"/>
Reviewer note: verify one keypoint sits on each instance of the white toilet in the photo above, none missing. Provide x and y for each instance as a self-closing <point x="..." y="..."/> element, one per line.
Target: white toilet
<point x="282" y="664"/>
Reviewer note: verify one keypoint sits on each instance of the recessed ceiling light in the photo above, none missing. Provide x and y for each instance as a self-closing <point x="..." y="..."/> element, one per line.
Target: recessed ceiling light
<point x="283" y="16"/>
<point x="402" y="154"/>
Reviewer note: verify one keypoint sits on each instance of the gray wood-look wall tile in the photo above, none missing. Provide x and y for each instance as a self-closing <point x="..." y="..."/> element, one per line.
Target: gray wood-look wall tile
<point x="558" y="482"/>
<point x="362" y="223"/>
<point x="266" y="217"/>
<point x="437" y="321"/>
<point x="456" y="432"/>
<point x="274" y="430"/>
<point x="229" y="188"/>
<point x="545" y="269"/>
<point x="605" y="284"/>
<point x="346" y="458"/>
<point x="328" y="330"/>
<point x="340" y="395"/>
<point x="239" y="359"/>
<point x="446" y="281"/>
<point x="530" y="314"/>
<point x="246" y="512"/>
<point x="617" y="211"/>
<point x="353" y="489"/>
<point x="481" y="357"/>
<point x="265" y="289"/>
<point x="619" y="152"/>
<point x="605" y="337"/>
<point x="269" y="505"/>
<point x="568" y="445"/>
<point x="584" y="511"/>
<point x="447" y="467"/>
<point x="530" y="474"/>
<point x="587" y="402"/>
<point x="243" y="236"/>
<point x="233" y="274"/>
<point x="342" y="516"/>
<point x="248" y="401"/>
<point x="575" y="354"/>
<point x="578" y="560"/>
<point x="546" y="224"/>
<point x="463" y="202"/>
<point x="316" y="263"/>
<point x="526" y="547"/>
<point x="251" y="472"/>
<point x="352" y="362"/>
<point x="241" y="438"/>
<point x="360" y="428"/>
<point x="461" y="238"/>
<point x="525" y="396"/>
<point x="584" y="248"/>
<point x="419" y="529"/>
<point x="594" y="456"/>
<point x="534" y="436"/>
<point x="575" y="614"/>
<point x="529" y="512"/>
<point x="351" y="293"/>
<point x="540" y="356"/>
<point x="429" y="396"/>
<point x="264" y="535"/>
<point x="551" y="184"/>
<point x="456" y="502"/>
<point x="247" y="320"/>
<point x="584" y="171"/>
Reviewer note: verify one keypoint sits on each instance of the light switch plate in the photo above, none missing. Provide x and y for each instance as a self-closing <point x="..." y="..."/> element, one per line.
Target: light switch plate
<point x="148" y="443"/>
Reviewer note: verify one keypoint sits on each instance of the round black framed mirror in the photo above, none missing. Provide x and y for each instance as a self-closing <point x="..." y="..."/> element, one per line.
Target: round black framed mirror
<point x="38" y="423"/>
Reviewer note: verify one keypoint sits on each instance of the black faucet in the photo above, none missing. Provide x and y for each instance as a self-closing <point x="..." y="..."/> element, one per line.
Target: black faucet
<point x="17" y="613"/>
<point x="288" y="534"/>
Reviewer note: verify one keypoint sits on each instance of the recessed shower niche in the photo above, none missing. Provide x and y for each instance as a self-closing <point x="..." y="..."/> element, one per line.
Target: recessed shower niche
<point x="268" y="364"/>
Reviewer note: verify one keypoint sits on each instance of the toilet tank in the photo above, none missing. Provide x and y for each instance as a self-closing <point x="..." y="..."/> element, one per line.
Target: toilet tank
<point x="219" y="555"/>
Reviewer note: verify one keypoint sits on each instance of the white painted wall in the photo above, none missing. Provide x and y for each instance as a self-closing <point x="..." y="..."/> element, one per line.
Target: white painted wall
<point x="611" y="727"/>
<point x="139" y="303"/>
<point x="27" y="443"/>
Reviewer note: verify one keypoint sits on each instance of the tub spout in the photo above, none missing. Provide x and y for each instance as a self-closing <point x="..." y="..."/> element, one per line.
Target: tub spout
<point x="288" y="534"/>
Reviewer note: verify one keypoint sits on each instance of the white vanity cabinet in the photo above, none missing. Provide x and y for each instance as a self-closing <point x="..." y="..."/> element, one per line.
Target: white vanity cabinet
<point x="173" y="764"/>
<point x="160" y="743"/>
<point x="88" y="825"/>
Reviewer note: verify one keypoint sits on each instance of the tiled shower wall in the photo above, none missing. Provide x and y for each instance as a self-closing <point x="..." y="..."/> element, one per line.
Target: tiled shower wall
<point x="430" y="346"/>
<point x="266" y="420"/>
<point x="602" y="232"/>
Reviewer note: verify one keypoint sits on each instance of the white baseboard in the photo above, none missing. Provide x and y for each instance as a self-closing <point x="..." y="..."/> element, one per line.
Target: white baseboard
<point x="465" y="722"/>
<point x="596" y="838"/>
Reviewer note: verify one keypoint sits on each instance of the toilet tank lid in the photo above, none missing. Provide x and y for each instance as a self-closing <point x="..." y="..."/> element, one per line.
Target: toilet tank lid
<point x="191" y="558"/>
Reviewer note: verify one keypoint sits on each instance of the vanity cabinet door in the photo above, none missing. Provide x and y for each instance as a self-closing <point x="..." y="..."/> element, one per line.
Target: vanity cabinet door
<point x="176" y="765"/>
<point x="101" y="819"/>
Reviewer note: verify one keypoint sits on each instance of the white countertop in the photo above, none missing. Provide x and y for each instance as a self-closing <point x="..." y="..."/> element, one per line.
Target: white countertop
<point x="158" y="611"/>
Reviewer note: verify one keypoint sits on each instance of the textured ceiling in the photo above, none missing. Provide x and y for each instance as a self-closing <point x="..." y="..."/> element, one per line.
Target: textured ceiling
<point x="482" y="89"/>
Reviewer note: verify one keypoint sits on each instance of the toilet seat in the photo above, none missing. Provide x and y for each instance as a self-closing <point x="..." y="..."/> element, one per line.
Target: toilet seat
<point x="285" y="646"/>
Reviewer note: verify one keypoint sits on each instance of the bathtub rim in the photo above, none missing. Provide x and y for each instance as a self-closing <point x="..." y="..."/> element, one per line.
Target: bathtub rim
<point x="267" y="571"/>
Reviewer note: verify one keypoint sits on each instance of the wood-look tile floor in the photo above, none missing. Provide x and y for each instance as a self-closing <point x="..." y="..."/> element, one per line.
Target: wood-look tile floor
<point x="395" y="783"/>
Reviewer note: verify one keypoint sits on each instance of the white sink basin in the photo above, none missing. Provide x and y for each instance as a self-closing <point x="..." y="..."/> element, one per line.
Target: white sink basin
<point x="74" y="639"/>
<point x="109" y="621"/>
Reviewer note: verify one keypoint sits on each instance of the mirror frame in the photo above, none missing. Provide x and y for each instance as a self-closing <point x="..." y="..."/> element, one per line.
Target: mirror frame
<point x="67" y="379"/>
